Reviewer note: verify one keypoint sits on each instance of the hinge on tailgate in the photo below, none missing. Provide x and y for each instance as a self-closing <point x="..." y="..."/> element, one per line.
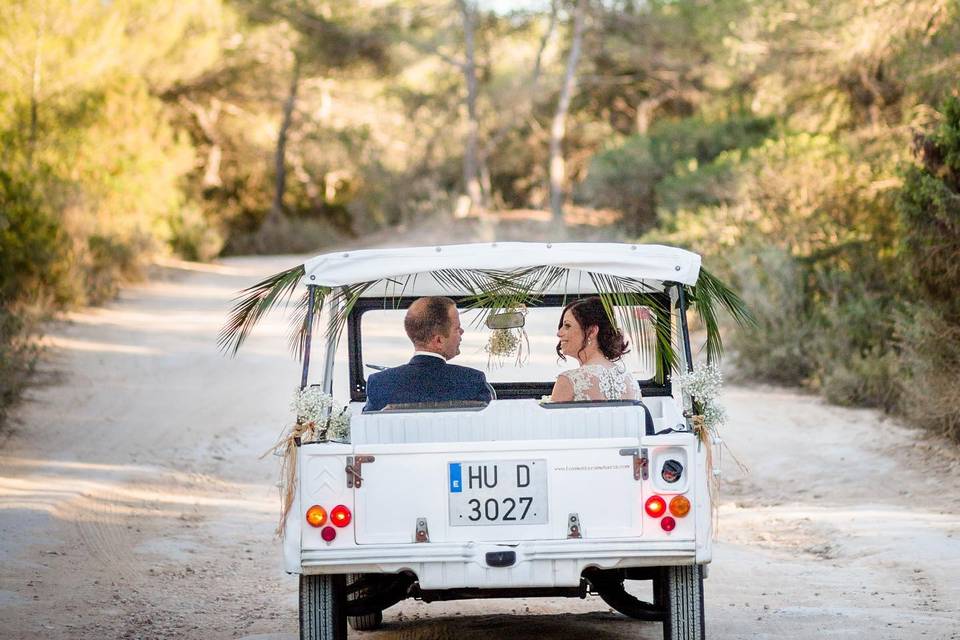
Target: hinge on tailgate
<point x="640" y="462"/>
<point x="354" y="479"/>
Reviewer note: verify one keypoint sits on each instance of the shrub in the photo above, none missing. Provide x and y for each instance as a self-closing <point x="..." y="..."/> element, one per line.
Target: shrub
<point x="31" y="242"/>
<point x="625" y="179"/>
<point x="192" y="237"/>
<point x="629" y="178"/>
<point x="929" y="206"/>
<point x="930" y="357"/>
<point x="864" y="380"/>
<point x="17" y="358"/>
<point x="779" y="348"/>
<point x="31" y="263"/>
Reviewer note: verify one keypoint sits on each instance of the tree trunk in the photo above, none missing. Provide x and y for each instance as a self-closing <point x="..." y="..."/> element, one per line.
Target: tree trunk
<point x="559" y="128"/>
<point x="35" y="91"/>
<point x="207" y="121"/>
<point x="276" y="210"/>
<point x="471" y="162"/>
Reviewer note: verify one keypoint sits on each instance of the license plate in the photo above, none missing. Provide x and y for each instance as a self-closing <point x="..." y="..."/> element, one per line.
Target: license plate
<point x="498" y="492"/>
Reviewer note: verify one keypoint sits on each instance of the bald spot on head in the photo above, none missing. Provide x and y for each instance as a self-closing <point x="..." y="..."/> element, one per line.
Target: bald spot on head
<point x="426" y="318"/>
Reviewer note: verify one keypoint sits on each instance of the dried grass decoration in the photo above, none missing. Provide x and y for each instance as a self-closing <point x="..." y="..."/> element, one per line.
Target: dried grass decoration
<point x="506" y="343"/>
<point x="317" y="421"/>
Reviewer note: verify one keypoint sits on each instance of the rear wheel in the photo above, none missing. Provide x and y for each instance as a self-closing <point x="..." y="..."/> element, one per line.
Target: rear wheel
<point x="680" y="590"/>
<point x="322" y="607"/>
<point x="367" y="622"/>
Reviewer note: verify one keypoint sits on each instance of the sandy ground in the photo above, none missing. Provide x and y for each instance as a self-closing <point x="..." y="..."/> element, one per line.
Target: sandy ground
<point x="134" y="504"/>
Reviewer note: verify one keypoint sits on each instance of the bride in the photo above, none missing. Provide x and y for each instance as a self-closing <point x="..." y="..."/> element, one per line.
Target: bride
<point x="587" y="334"/>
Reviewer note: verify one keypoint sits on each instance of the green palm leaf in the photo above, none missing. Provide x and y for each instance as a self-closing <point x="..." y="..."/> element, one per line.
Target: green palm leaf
<point x="706" y="295"/>
<point x="255" y="302"/>
<point x="620" y="298"/>
<point x="489" y="291"/>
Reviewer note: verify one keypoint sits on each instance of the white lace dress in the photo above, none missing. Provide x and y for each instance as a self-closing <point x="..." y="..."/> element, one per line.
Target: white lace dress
<point x="603" y="382"/>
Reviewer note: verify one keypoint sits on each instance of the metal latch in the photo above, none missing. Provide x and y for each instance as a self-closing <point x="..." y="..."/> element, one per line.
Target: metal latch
<point x="354" y="479"/>
<point x="423" y="534"/>
<point x="640" y="462"/>
<point x="573" y="526"/>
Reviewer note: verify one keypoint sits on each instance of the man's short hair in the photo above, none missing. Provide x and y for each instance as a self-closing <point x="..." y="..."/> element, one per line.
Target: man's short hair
<point x="428" y="317"/>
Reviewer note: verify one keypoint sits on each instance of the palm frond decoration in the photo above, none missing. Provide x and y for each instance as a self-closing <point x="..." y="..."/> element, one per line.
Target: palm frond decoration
<point x="490" y="291"/>
<point x="255" y="302"/>
<point x="300" y="319"/>
<point x="709" y="292"/>
<point x="620" y="298"/>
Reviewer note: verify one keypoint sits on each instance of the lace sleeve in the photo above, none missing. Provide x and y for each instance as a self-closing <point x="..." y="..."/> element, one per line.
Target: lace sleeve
<point x="581" y="383"/>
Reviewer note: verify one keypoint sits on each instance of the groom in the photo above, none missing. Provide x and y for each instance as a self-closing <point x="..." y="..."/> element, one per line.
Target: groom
<point x="433" y="325"/>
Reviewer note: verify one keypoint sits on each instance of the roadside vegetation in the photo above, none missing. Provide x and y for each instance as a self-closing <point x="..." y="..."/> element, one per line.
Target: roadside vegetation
<point x="810" y="150"/>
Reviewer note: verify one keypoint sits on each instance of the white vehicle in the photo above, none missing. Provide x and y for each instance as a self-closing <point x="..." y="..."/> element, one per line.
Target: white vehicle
<point x="517" y="497"/>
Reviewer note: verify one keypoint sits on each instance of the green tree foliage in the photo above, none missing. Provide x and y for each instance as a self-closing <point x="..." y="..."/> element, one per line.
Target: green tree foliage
<point x="669" y="167"/>
<point x="929" y="205"/>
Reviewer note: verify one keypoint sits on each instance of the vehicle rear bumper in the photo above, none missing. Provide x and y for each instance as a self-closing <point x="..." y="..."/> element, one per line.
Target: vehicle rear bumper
<point x="460" y="565"/>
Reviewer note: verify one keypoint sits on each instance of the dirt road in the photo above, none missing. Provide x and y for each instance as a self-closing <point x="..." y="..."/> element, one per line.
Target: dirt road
<point x="133" y="503"/>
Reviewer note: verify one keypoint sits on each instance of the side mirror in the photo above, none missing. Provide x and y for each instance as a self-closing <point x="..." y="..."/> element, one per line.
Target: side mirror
<point x="506" y="320"/>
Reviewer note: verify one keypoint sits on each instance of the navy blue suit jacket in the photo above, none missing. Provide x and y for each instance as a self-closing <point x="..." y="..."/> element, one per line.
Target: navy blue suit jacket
<point x="425" y="379"/>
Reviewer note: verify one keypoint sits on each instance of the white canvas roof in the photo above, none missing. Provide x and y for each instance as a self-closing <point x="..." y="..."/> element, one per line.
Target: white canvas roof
<point x="642" y="262"/>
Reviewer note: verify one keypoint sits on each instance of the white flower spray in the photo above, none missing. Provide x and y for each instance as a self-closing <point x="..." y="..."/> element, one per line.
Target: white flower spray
<point x="317" y="416"/>
<point x="708" y="415"/>
<point x="705" y="385"/>
<point x="317" y="421"/>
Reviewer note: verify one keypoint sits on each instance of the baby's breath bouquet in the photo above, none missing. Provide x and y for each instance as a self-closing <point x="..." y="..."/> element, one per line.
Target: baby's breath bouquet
<point x="704" y="386"/>
<point x="504" y="343"/>
<point x="317" y="421"/>
<point x="707" y="416"/>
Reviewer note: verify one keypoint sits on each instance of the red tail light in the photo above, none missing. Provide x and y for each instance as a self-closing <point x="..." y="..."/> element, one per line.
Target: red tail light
<point x="655" y="506"/>
<point x="668" y="523"/>
<point x="328" y="534"/>
<point x="340" y="516"/>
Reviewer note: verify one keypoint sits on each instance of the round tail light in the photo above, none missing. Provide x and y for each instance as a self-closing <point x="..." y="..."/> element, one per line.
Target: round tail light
<point x="668" y="523"/>
<point x="655" y="506"/>
<point x="340" y="516"/>
<point x="328" y="534"/>
<point x="316" y="516"/>
<point x="679" y="506"/>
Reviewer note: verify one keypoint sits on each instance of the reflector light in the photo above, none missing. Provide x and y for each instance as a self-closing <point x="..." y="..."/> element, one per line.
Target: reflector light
<point x="316" y="516"/>
<point x="328" y="534"/>
<point x="655" y="506"/>
<point x="668" y="523"/>
<point x="340" y="516"/>
<point x="679" y="506"/>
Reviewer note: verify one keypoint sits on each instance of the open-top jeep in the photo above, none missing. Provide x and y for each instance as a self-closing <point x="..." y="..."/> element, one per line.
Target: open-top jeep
<point x="518" y="497"/>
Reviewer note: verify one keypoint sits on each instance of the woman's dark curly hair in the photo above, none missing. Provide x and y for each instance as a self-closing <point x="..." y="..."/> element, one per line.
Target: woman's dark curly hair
<point x="589" y="312"/>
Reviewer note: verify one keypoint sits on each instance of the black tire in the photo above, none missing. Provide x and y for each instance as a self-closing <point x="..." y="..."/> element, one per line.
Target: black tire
<point x="682" y="591"/>
<point x="322" y="613"/>
<point x="367" y="622"/>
